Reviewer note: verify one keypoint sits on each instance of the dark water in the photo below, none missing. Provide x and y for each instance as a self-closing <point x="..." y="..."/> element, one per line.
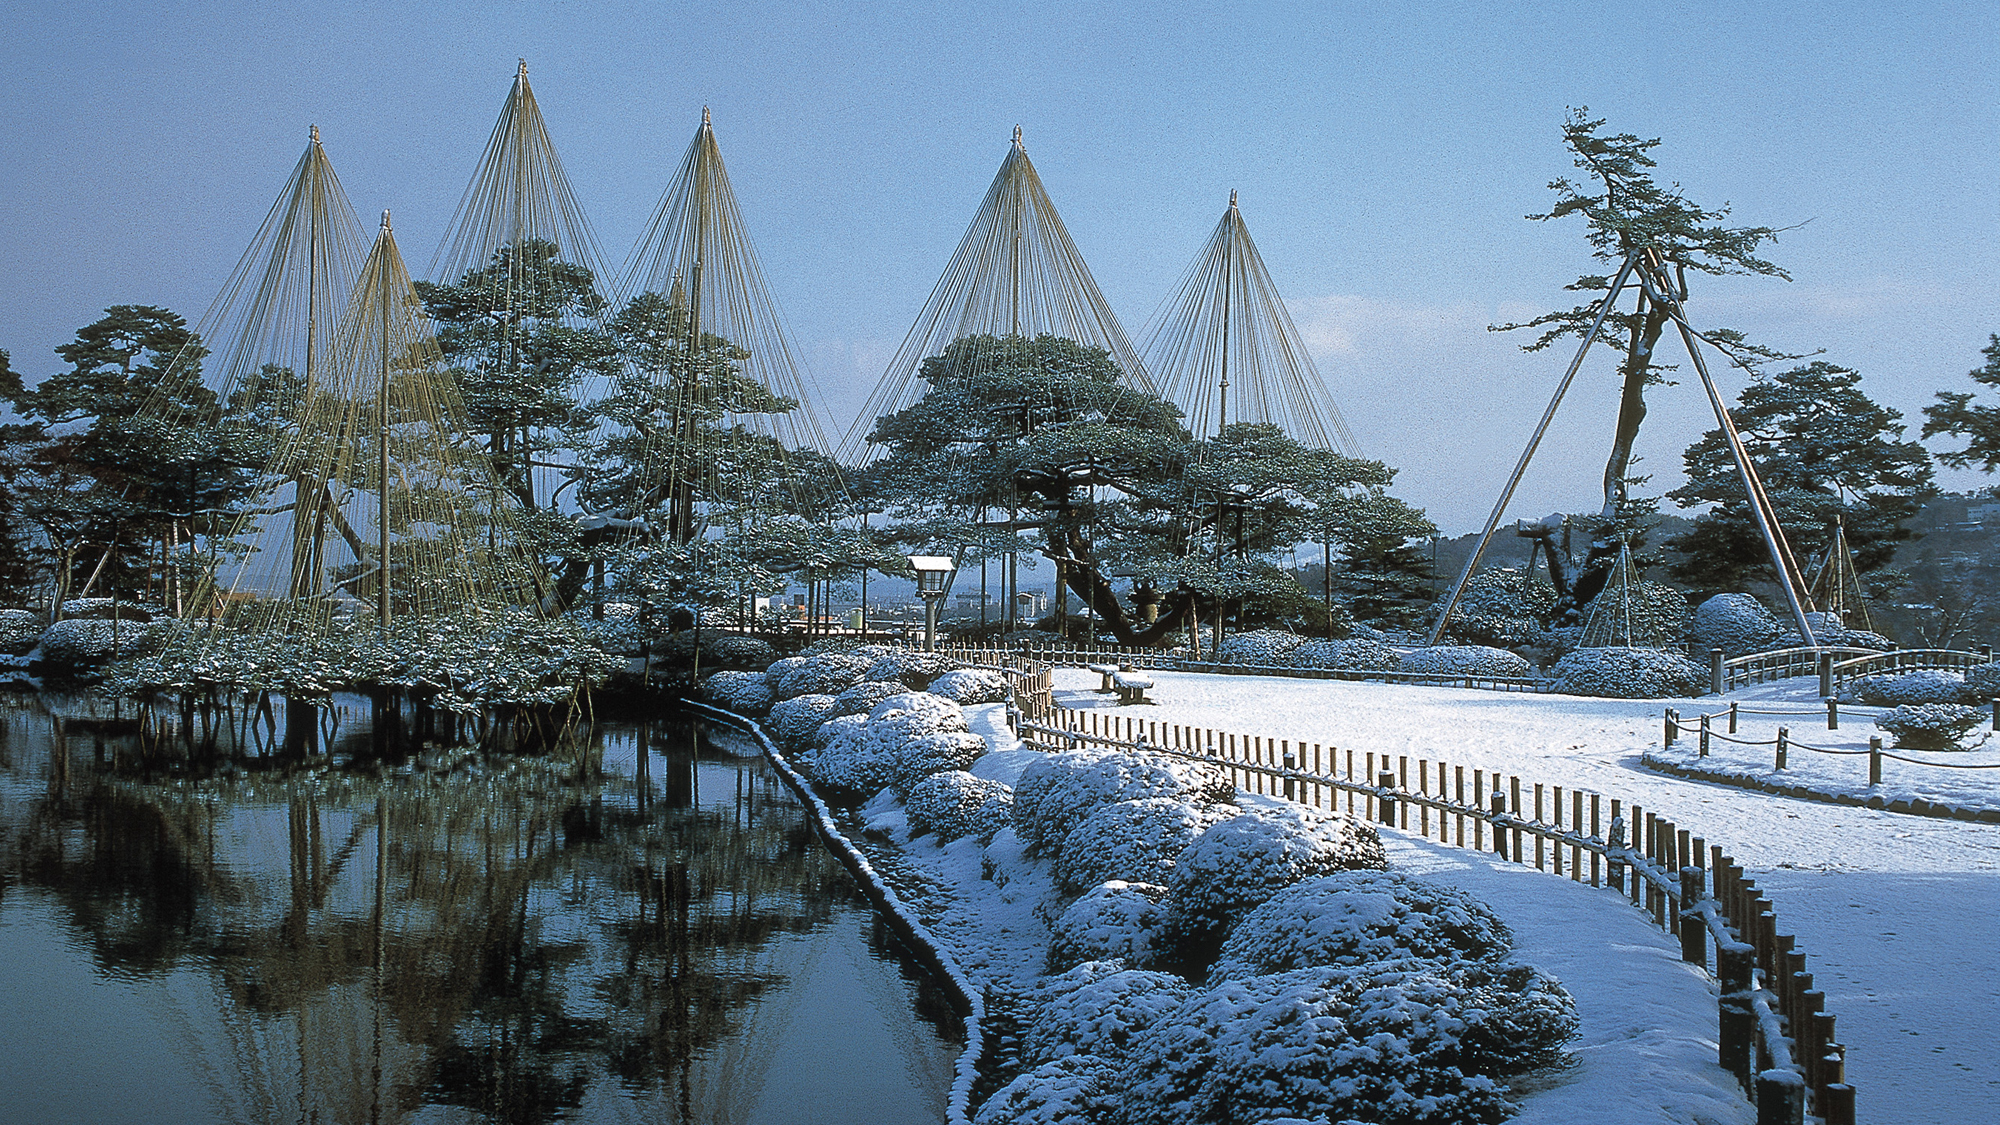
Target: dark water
<point x="636" y="926"/>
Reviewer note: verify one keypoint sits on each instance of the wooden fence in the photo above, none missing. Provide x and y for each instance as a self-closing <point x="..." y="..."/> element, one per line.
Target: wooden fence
<point x="1774" y="1032"/>
<point x="1157" y="660"/>
<point x="1835" y="666"/>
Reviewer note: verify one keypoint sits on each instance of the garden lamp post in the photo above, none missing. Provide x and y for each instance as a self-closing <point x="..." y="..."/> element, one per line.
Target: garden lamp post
<point x="932" y="573"/>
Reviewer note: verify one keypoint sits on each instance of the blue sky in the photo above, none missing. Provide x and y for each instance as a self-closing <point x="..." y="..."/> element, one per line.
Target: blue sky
<point x="1385" y="155"/>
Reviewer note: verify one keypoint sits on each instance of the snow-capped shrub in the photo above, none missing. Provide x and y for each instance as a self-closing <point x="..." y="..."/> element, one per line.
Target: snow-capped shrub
<point x="1057" y="792"/>
<point x="1643" y="615"/>
<point x="1982" y="683"/>
<point x="1102" y="1017"/>
<point x="1464" y="660"/>
<point x="899" y="718"/>
<point x="779" y="669"/>
<point x="1237" y="864"/>
<point x="1391" y="1043"/>
<point x="1067" y="1091"/>
<point x="1371" y="655"/>
<point x="745" y="654"/>
<point x="1137" y="841"/>
<point x="823" y="675"/>
<point x="915" y="669"/>
<point x="1931" y="726"/>
<point x="1263" y="647"/>
<point x="848" y="646"/>
<point x="1628" y="673"/>
<point x="1738" y="624"/>
<point x="955" y="804"/>
<point x="19" y="630"/>
<point x="849" y="764"/>
<point x="835" y="727"/>
<point x="104" y="609"/>
<point x="1354" y="916"/>
<point x="1503" y="605"/>
<point x="93" y="641"/>
<point x="971" y="685"/>
<point x="861" y="698"/>
<point x="926" y="754"/>
<point x="1828" y="630"/>
<point x="745" y="693"/>
<point x="1117" y="921"/>
<point x="618" y="630"/>
<point x="1913" y="688"/>
<point x="792" y="721"/>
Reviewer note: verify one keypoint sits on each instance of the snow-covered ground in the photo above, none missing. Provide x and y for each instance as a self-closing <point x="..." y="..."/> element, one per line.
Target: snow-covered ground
<point x="1900" y="915"/>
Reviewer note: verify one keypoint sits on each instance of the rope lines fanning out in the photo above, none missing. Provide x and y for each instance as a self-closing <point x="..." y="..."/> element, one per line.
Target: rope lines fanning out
<point x="1620" y="616"/>
<point x="1224" y="349"/>
<point x="712" y="403"/>
<point x="375" y="508"/>
<point x="1835" y="585"/>
<point x="1015" y="273"/>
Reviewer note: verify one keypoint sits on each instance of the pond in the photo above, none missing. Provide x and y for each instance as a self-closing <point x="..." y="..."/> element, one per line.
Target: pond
<point x="638" y="924"/>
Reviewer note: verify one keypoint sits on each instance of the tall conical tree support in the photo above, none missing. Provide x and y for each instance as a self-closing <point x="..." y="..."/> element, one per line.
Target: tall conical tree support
<point x="715" y="366"/>
<point x="1015" y="272"/>
<point x="518" y="223"/>
<point x="1835" y="584"/>
<point x="1645" y="264"/>
<point x="1226" y="327"/>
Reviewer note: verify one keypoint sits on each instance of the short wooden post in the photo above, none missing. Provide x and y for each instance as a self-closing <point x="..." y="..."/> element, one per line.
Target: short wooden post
<point x="1837" y="1104"/>
<point x="1694" y="930"/>
<point x="1826" y="675"/>
<point x="1291" y="764"/>
<point x="1781" y="1098"/>
<point x="1833" y="714"/>
<point x="1385" y="797"/>
<point x="1673" y="718"/>
<point x="1703" y="751"/>
<point x="1875" y="760"/>
<point x="1499" y="821"/>
<point x="1715" y="671"/>
<point x="1615" y="874"/>
<point x="1996" y="714"/>
<point x="1733" y="705"/>
<point x="1784" y="738"/>
<point x="1733" y="961"/>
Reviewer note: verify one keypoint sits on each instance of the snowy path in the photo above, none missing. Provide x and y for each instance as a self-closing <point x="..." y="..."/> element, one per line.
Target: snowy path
<point x="1899" y="914"/>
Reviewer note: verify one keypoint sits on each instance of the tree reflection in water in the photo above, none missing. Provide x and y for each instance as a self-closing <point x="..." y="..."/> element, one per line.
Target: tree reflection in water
<point x="609" y="929"/>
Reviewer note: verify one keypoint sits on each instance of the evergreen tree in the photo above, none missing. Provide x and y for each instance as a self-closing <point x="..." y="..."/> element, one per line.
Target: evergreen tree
<point x="1826" y="452"/>
<point x="1626" y="212"/>
<point x="1955" y="413"/>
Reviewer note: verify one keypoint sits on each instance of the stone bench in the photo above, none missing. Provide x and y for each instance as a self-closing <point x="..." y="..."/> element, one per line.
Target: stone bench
<point x="1131" y="687"/>
<point x="1107" y="671"/>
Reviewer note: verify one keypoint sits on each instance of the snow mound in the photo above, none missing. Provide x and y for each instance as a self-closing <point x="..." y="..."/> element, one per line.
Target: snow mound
<point x="1353" y="917"/>
<point x="1117" y="921"/>
<point x="913" y="669"/>
<point x="1103" y="1016"/>
<point x="1056" y="793"/>
<point x="850" y="764"/>
<point x="1503" y="605"/>
<point x="1628" y="673"/>
<point x="1236" y="865"/>
<point x="831" y="729"/>
<point x="19" y="630"/>
<point x="861" y="698"/>
<point x="91" y="641"/>
<point x="779" y="669"/>
<point x="926" y="754"/>
<point x="1262" y="647"/>
<point x="792" y="721"/>
<point x="1738" y="624"/>
<point x="1371" y="655"/>
<point x="1391" y="1043"/>
<point x="823" y="675"/>
<point x="1827" y="630"/>
<point x="900" y="718"/>
<point x="971" y="685"/>
<point x="1464" y="660"/>
<point x="1067" y="1091"/>
<point x="1931" y="726"/>
<point x="1922" y="685"/>
<point x="954" y="804"/>
<point x="745" y="693"/>
<point x="1137" y="841"/>
<point x="1982" y="683"/>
